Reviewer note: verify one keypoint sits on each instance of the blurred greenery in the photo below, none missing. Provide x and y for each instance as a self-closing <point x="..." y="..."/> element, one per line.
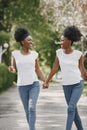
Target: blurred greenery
<point x="5" y="38"/>
<point x="85" y="88"/>
<point x="6" y="78"/>
<point x="28" y="14"/>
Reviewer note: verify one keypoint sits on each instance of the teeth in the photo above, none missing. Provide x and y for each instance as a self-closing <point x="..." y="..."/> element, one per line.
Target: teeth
<point x="59" y="42"/>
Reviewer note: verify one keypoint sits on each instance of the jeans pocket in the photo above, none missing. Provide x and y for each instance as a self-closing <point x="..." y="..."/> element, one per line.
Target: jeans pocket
<point x="36" y="84"/>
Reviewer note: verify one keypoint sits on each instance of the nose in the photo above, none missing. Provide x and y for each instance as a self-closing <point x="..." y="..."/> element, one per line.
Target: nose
<point x="30" y="42"/>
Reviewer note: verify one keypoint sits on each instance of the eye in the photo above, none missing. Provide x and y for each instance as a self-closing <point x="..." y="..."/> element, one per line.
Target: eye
<point x="29" y="40"/>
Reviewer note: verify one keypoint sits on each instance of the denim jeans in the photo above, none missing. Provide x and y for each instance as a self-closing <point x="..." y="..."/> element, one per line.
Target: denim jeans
<point x="72" y="95"/>
<point x="29" y="95"/>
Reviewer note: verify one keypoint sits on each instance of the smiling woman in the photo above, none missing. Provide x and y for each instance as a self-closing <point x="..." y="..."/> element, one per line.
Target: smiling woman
<point x="25" y="62"/>
<point x="72" y="71"/>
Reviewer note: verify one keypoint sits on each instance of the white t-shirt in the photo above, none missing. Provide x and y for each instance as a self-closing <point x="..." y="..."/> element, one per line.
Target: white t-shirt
<point x="69" y="64"/>
<point x="25" y="67"/>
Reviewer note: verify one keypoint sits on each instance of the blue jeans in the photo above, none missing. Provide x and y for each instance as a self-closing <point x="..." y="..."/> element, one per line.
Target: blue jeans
<point x="29" y="95"/>
<point x="72" y="96"/>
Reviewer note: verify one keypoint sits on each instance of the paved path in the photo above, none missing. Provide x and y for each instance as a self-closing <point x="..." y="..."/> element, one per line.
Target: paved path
<point x="51" y="110"/>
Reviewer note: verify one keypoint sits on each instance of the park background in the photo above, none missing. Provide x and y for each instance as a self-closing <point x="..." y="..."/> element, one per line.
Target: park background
<point x="45" y="19"/>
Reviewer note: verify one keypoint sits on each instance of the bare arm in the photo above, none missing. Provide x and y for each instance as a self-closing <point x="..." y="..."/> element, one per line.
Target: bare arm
<point x="38" y="71"/>
<point x="12" y="68"/>
<point x="54" y="70"/>
<point x="82" y="68"/>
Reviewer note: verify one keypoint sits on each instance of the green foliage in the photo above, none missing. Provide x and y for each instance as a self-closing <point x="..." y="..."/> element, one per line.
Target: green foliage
<point x="15" y="11"/>
<point x="4" y="37"/>
<point x="42" y="33"/>
<point x="46" y="46"/>
<point x="6" y="78"/>
<point x="85" y="88"/>
<point x="28" y="14"/>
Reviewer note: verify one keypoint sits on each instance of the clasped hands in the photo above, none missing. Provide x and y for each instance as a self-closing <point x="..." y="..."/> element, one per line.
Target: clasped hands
<point x="45" y="85"/>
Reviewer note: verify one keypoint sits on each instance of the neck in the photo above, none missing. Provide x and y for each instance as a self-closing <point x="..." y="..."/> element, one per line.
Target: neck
<point x="25" y="51"/>
<point x="68" y="50"/>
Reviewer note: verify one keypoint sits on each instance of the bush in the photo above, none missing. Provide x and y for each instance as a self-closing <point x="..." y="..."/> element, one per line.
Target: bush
<point x="6" y="78"/>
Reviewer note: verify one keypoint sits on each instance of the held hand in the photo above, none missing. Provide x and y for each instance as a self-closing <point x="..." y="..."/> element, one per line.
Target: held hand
<point x="45" y="85"/>
<point x="11" y="69"/>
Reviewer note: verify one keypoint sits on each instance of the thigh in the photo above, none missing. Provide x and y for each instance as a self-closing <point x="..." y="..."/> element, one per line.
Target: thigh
<point x="67" y="92"/>
<point x="76" y="93"/>
<point x="33" y="94"/>
<point x="24" y="95"/>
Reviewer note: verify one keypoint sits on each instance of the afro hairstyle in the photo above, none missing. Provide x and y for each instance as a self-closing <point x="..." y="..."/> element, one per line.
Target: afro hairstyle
<point x="72" y="33"/>
<point x="20" y="34"/>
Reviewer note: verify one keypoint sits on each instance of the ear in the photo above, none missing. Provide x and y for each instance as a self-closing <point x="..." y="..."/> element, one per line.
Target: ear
<point x="71" y="42"/>
<point x="22" y="43"/>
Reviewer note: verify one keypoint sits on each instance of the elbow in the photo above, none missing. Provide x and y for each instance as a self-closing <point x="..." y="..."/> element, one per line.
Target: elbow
<point x="84" y="76"/>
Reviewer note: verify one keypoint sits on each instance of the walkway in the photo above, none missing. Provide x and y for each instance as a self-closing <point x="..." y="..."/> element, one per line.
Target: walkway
<point x="51" y="110"/>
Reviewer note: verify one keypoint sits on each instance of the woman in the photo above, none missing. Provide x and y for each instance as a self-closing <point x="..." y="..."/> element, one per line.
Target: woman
<point x="25" y="62"/>
<point x="72" y="68"/>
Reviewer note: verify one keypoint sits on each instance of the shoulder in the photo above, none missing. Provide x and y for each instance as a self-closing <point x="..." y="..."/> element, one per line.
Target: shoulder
<point x="15" y="52"/>
<point x="59" y="51"/>
<point x="78" y="53"/>
<point x="34" y="53"/>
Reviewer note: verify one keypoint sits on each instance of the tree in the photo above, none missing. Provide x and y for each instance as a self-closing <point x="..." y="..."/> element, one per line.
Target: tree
<point x="66" y="12"/>
<point x="28" y="14"/>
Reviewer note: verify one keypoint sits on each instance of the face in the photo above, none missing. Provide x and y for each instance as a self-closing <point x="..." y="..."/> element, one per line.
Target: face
<point x="27" y="42"/>
<point x="65" y="43"/>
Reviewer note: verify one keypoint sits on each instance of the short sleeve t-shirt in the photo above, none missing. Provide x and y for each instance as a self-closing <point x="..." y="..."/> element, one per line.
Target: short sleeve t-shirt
<point x="69" y="64"/>
<point x="25" y="67"/>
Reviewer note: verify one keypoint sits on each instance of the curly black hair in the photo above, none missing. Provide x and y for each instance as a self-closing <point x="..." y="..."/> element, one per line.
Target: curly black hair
<point x="20" y="34"/>
<point x="72" y="33"/>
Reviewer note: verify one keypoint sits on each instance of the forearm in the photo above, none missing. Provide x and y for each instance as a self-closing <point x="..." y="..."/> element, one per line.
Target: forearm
<point x="83" y="72"/>
<point x="82" y="68"/>
<point x="84" y="75"/>
<point x="12" y="68"/>
<point x="40" y="75"/>
<point x="53" y="71"/>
